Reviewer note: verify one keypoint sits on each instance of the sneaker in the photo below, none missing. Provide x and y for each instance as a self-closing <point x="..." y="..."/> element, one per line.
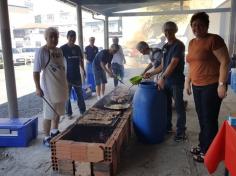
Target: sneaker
<point x="199" y="158"/>
<point x="46" y="141"/>
<point x="179" y="138"/>
<point x="52" y="135"/>
<point x="69" y="116"/>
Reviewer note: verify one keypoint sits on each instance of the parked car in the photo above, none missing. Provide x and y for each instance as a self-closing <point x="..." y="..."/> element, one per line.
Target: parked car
<point x="18" y="58"/>
<point x="28" y="54"/>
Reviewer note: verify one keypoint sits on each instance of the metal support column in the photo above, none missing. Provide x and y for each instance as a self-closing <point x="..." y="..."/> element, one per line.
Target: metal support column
<point x="80" y="26"/>
<point x="8" y="61"/>
<point x="106" y="33"/>
<point x="232" y="32"/>
<point x="181" y="5"/>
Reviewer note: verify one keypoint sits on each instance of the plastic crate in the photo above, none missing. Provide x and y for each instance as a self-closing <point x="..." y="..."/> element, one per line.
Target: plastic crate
<point x="17" y="132"/>
<point x="232" y="121"/>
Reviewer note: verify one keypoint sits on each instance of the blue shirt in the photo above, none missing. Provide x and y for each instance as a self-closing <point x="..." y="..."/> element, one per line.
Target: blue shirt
<point x="103" y="56"/>
<point x="73" y="56"/>
<point x="170" y="51"/>
<point x="91" y="52"/>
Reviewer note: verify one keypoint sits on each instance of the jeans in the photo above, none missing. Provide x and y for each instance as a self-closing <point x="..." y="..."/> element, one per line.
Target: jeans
<point x="118" y="70"/>
<point x="176" y="91"/>
<point x="207" y="103"/>
<point x="80" y="99"/>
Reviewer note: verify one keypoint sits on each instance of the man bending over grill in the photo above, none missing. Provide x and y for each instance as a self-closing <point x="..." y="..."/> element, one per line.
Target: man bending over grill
<point x="101" y="66"/>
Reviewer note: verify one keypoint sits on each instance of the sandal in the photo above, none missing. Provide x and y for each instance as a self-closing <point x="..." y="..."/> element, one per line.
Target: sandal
<point x="199" y="158"/>
<point x="195" y="150"/>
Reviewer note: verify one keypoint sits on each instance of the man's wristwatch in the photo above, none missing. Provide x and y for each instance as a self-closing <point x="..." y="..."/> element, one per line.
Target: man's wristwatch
<point x="221" y="84"/>
<point x="163" y="77"/>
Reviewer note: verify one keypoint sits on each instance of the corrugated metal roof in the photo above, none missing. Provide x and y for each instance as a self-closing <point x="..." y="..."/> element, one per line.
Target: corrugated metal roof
<point x="109" y="7"/>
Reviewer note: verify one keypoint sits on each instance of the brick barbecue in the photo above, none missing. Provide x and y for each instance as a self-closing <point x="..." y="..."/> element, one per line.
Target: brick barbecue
<point x="92" y="140"/>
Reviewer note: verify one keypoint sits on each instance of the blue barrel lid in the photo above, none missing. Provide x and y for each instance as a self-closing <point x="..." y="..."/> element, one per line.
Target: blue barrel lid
<point x="148" y="85"/>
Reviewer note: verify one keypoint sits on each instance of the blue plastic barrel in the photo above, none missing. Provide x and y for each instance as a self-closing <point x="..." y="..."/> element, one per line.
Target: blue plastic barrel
<point x="90" y="77"/>
<point x="149" y="113"/>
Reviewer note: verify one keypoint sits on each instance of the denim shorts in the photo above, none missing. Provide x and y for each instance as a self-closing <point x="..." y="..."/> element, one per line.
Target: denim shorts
<point x="99" y="76"/>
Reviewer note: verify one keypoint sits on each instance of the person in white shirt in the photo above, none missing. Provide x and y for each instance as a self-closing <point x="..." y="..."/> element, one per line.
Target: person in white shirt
<point x="52" y="86"/>
<point x="162" y="42"/>
<point x="117" y="63"/>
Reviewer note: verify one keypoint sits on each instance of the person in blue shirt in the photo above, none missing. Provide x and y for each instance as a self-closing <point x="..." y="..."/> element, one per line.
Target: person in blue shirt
<point x="101" y="66"/>
<point x="74" y="61"/>
<point x="172" y="78"/>
<point x="90" y="52"/>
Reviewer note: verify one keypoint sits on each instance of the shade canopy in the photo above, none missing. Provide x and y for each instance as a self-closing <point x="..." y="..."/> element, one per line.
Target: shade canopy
<point x="146" y="7"/>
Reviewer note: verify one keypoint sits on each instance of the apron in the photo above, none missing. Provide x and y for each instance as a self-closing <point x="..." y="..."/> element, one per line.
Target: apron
<point x="54" y="78"/>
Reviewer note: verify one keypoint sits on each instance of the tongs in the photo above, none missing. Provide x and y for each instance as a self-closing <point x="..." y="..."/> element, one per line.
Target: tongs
<point x="116" y="77"/>
<point x="50" y="106"/>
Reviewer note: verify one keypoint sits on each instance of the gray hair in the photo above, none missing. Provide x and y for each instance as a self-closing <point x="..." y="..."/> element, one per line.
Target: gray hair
<point x="142" y="46"/>
<point x="49" y="31"/>
<point x="115" y="47"/>
<point x="170" y="25"/>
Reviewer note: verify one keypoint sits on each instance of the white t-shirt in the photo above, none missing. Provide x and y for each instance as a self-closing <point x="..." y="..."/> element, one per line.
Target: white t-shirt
<point x="155" y="56"/>
<point x="118" y="57"/>
<point x="53" y="79"/>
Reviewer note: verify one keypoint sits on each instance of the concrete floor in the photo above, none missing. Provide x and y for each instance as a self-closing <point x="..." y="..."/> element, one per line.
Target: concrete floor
<point x="166" y="159"/>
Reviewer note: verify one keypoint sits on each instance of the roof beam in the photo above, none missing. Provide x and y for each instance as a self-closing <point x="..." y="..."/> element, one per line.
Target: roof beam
<point x="92" y="11"/>
<point x="120" y="7"/>
<point x="99" y="2"/>
<point x="170" y="12"/>
<point x="69" y="2"/>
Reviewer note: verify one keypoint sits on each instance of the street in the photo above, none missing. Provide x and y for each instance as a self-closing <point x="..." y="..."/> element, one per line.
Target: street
<point x="24" y="82"/>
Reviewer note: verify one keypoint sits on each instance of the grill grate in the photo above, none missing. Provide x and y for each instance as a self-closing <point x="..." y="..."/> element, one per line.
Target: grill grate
<point x="108" y="100"/>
